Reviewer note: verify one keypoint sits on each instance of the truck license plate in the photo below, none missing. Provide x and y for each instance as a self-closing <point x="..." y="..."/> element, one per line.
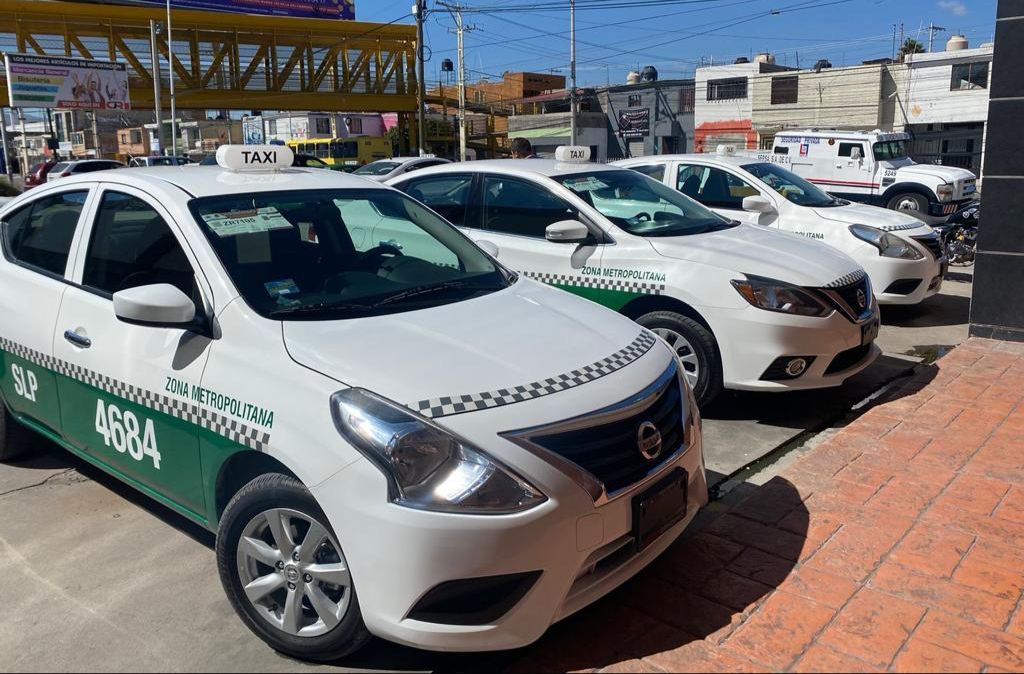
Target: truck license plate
<point x="656" y="510"/>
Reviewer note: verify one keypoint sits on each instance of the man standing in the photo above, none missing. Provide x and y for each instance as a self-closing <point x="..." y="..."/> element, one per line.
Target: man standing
<point x="521" y="149"/>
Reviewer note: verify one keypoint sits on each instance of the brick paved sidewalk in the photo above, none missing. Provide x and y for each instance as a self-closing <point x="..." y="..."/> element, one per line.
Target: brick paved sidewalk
<point x="897" y="544"/>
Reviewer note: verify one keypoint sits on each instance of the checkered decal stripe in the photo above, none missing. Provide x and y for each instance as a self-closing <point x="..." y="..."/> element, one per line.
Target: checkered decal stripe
<point x="899" y="228"/>
<point x="447" y="406"/>
<point x="232" y="429"/>
<point x="846" y="280"/>
<point x="620" y="285"/>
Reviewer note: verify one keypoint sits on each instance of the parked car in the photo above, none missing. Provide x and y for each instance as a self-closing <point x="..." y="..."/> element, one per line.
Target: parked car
<point x="902" y="255"/>
<point x="744" y="307"/>
<point x="309" y="161"/>
<point x="157" y="160"/>
<point x="202" y="335"/>
<point x="65" y="169"/>
<point x="385" y="169"/>
<point x="37" y="174"/>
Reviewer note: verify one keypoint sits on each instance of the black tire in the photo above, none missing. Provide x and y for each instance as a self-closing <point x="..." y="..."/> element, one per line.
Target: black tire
<point x="267" y="492"/>
<point x="703" y="344"/>
<point x="15" y="439"/>
<point x="920" y="209"/>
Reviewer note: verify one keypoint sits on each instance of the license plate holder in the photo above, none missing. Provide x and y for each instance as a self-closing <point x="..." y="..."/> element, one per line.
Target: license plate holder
<point x="660" y="507"/>
<point x="869" y="331"/>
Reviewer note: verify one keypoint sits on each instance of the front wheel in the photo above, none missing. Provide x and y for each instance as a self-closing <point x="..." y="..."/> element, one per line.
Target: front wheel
<point x="910" y="203"/>
<point x="696" y="349"/>
<point x="285" y="574"/>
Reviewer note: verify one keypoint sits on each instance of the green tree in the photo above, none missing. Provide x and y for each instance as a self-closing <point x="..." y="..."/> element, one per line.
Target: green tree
<point x="910" y="46"/>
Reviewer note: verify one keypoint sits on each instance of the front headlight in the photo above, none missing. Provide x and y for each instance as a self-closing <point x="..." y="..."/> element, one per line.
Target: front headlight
<point x="428" y="467"/>
<point x="772" y="295"/>
<point x="888" y="245"/>
<point x="944" y="192"/>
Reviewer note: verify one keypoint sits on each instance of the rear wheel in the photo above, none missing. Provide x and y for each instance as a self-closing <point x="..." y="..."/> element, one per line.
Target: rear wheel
<point x="285" y="573"/>
<point x="910" y="203"/>
<point x="695" y="348"/>
<point x="15" y="439"/>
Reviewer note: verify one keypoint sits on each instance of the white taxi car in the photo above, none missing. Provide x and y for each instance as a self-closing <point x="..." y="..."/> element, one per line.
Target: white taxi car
<point x="743" y="307"/>
<point x="428" y="447"/>
<point x="902" y="255"/>
<point x="386" y="169"/>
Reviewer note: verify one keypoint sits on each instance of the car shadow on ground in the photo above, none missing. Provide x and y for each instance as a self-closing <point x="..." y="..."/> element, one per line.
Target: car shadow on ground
<point x="936" y="311"/>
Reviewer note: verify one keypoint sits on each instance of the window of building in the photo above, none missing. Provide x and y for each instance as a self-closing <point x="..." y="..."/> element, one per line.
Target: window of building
<point x="355" y="125"/>
<point x="40" y="234"/>
<point x="686" y="95"/>
<point x="323" y="126"/>
<point x="136" y="136"/>
<point x="124" y="138"/>
<point x="272" y="127"/>
<point x="635" y="100"/>
<point x="784" y="89"/>
<point x="969" y="76"/>
<point x="478" y="96"/>
<point x="727" y="89"/>
<point x="78" y="137"/>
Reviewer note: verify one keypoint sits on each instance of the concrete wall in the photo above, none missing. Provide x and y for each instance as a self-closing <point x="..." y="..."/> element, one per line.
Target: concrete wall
<point x="728" y="121"/>
<point x="929" y="98"/>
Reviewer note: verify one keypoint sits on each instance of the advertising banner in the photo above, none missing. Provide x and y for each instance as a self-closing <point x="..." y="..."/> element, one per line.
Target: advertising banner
<point x="299" y="9"/>
<point x="61" y="82"/>
<point x="252" y="130"/>
<point x="635" y="123"/>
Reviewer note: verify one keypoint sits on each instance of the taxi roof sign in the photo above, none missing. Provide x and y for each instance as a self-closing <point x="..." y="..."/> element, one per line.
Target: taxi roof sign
<point x="255" y="157"/>
<point x="572" y="154"/>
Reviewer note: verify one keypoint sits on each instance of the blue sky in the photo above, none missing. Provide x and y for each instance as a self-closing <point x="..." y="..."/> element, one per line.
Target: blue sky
<point x="675" y="38"/>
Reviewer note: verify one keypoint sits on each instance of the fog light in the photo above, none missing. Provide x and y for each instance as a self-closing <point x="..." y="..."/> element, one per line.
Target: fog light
<point x="796" y="367"/>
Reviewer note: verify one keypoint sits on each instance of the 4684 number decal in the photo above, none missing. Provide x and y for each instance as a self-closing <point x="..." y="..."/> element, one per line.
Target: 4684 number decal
<point x="123" y="431"/>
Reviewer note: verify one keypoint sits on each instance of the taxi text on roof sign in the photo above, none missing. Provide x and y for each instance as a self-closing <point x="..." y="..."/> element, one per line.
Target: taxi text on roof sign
<point x="572" y="153"/>
<point x="254" y="157"/>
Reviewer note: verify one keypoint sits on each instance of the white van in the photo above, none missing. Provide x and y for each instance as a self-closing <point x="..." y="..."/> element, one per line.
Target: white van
<point x="873" y="168"/>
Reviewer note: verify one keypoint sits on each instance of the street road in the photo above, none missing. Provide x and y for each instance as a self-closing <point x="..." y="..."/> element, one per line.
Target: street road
<point x="97" y="577"/>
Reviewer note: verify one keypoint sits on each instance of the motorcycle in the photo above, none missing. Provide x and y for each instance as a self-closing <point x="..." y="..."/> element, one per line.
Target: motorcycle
<point x="959" y="234"/>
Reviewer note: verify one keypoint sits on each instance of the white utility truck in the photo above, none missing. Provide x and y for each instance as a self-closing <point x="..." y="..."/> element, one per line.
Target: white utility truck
<point x="873" y="167"/>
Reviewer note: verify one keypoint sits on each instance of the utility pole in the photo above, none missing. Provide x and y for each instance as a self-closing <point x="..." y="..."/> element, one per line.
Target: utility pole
<point x="932" y="30"/>
<point x="23" y="164"/>
<point x="573" y="102"/>
<point x="419" y="10"/>
<point x="3" y="142"/>
<point x="460" y="27"/>
<point x="170" y="76"/>
<point x="154" y="29"/>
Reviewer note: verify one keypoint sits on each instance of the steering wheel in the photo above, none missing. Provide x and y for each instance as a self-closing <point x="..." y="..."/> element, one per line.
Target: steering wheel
<point x="640" y="217"/>
<point x="374" y="257"/>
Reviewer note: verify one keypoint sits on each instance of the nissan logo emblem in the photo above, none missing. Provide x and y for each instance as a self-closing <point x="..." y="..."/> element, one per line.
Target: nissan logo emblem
<point x="862" y="299"/>
<point x="648" y="440"/>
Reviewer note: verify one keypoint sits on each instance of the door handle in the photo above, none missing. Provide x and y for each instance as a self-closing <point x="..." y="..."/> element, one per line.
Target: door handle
<point x="77" y="339"/>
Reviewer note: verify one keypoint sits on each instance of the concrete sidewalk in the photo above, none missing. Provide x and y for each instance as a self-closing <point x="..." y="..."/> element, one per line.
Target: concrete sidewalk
<point x="896" y="544"/>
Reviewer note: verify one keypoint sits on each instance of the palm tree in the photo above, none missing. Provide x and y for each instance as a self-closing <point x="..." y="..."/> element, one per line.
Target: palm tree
<point x="910" y="46"/>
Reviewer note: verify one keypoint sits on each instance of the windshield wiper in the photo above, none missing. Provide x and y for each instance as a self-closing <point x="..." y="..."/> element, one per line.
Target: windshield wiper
<point x="312" y="309"/>
<point x="428" y="290"/>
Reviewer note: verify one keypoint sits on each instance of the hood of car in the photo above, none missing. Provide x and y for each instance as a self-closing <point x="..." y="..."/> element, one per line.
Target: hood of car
<point x="751" y="249"/>
<point x="873" y="216"/>
<point x="513" y="340"/>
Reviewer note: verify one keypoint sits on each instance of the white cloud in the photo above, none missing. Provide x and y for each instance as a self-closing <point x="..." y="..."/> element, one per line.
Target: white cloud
<point x="955" y="7"/>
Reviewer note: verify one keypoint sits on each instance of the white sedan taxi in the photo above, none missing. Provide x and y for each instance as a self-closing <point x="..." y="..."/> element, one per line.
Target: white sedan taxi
<point x="902" y="255"/>
<point x="385" y="169"/>
<point x="424" y="447"/>
<point x="743" y="307"/>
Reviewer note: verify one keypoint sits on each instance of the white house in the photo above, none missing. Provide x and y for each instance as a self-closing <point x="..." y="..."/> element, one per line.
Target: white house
<point x="723" y="104"/>
<point x="946" y="104"/>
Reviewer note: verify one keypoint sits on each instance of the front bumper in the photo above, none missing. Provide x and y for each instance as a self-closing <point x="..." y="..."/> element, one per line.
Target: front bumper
<point x="944" y="209"/>
<point x="887" y="272"/>
<point x="751" y="339"/>
<point x="397" y="555"/>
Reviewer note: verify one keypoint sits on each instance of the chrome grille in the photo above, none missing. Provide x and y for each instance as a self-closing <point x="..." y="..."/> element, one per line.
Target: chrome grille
<point x="932" y="242"/>
<point x="846" y="299"/>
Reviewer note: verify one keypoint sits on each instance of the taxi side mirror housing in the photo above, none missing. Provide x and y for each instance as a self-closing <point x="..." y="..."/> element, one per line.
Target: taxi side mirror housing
<point x="758" y="204"/>
<point x="567" y="231"/>
<point x="489" y="247"/>
<point x="157" y="305"/>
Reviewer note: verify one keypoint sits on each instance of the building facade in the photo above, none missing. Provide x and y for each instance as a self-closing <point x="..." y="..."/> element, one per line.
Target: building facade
<point x="946" y="105"/>
<point x="723" y="107"/>
<point x="649" y="117"/>
<point x="133" y="142"/>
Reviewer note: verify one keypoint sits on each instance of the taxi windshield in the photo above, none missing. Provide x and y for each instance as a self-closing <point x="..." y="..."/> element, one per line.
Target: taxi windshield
<point x="334" y="254"/>
<point x="641" y="205"/>
<point x="377" y="168"/>
<point x="794" y="188"/>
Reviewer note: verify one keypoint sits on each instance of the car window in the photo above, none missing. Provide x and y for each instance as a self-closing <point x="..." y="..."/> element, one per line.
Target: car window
<point x="294" y="255"/>
<point x="512" y="206"/>
<point x="448" y="195"/>
<point x="656" y="171"/>
<point x="791" y="186"/>
<point x="713" y="187"/>
<point x="59" y="168"/>
<point x="40" y="234"/>
<point x="377" y="168"/>
<point x="131" y="246"/>
<point x="846" y="149"/>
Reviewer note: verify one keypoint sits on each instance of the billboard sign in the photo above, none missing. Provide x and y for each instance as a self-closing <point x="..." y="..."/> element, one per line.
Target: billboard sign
<point x="61" y="82"/>
<point x="298" y="9"/>
<point x="252" y="130"/>
<point x="635" y="123"/>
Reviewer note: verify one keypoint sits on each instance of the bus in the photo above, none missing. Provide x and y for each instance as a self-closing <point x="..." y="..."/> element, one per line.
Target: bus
<point x="344" y="154"/>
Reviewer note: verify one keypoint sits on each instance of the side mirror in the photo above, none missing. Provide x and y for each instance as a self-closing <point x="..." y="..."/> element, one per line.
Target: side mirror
<point x="489" y="247"/>
<point x="158" y="305"/>
<point x="567" y="231"/>
<point x="758" y="204"/>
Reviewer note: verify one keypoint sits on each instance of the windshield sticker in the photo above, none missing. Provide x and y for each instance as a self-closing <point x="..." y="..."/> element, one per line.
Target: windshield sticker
<point x="246" y="222"/>
<point x="280" y="288"/>
<point x="588" y="184"/>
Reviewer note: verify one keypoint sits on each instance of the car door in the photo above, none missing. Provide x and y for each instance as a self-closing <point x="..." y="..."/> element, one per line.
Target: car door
<point x="722" y="191"/>
<point x="37" y="244"/>
<point x="116" y="399"/>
